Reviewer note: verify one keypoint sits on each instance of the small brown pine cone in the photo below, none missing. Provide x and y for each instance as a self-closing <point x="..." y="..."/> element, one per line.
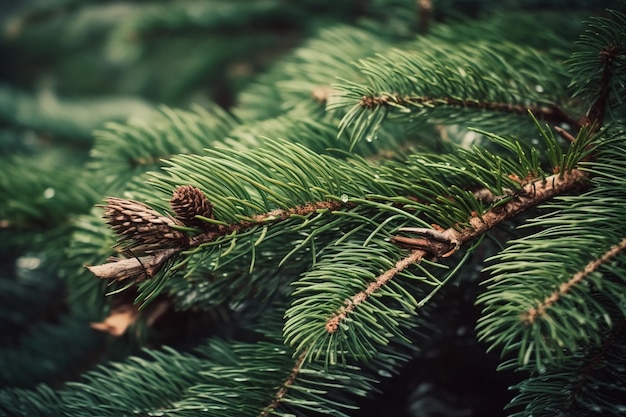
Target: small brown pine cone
<point x="188" y="202"/>
<point x="140" y="225"/>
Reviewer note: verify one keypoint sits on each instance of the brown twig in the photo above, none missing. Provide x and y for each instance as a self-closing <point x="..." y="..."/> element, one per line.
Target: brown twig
<point x="146" y="267"/>
<point x="272" y="216"/>
<point x="534" y="313"/>
<point x="285" y="386"/>
<point x="595" y="115"/>
<point x="332" y="324"/>
<point x="565" y="134"/>
<point x="533" y="193"/>
<point x="138" y="268"/>
<point x="549" y="113"/>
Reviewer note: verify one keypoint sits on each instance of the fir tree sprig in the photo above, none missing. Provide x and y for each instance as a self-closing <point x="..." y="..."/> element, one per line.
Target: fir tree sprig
<point x="542" y="323"/>
<point x="320" y="308"/>
<point x="540" y="310"/>
<point x="599" y="69"/>
<point x="335" y="186"/>
<point x="438" y="83"/>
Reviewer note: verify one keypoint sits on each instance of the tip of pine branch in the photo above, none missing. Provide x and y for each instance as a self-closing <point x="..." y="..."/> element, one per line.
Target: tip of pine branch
<point x="119" y="270"/>
<point x="140" y="269"/>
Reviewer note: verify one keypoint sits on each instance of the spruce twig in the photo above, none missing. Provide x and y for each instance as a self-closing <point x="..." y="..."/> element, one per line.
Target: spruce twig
<point x="267" y="411"/>
<point x="549" y="113"/>
<point x="439" y="244"/>
<point x="537" y="312"/>
<point x="332" y="324"/>
<point x="607" y="56"/>
<point x="264" y="218"/>
<point x="532" y="194"/>
<point x="154" y="232"/>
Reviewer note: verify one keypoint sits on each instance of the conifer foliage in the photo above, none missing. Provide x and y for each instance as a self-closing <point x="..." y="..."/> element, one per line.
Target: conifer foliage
<point x="295" y="243"/>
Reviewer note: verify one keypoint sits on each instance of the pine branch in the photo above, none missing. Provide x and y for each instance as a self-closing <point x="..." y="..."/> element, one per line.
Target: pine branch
<point x="274" y="180"/>
<point x="607" y="56"/>
<point x="572" y="266"/>
<point x="267" y="411"/>
<point x="442" y="244"/>
<point x="333" y="322"/>
<point x="430" y="85"/>
<point x="552" y="113"/>
<point x="598" y="69"/>
<point x="238" y="221"/>
<point x="140" y="232"/>
<point x="540" y="310"/>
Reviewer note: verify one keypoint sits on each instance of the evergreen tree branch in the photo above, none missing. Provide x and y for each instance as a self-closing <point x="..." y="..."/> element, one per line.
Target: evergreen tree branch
<point x="432" y="82"/>
<point x="535" y="312"/>
<point x="532" y="194"/>
<point x="599" y="68"/>
<point x="333" y="322"/>
<point x="166" y="240"/>
<point x="550" y="113"/>
<point x="148" y="266"/>
<point x="444" y="243"/>
<point x="562" y="251"/>
<point x="267" y="411"/>
<point x="607" y="56"/>
<point x="357" y="246"/>
<point x="529" y="196"/>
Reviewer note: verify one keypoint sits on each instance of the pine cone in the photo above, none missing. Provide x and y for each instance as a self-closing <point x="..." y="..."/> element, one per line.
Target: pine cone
<point x="141" y="225"/>
<point x="188" y="202"/>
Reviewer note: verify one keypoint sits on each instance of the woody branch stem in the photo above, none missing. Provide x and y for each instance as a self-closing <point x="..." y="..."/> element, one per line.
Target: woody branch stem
<point x="532" y="194"/>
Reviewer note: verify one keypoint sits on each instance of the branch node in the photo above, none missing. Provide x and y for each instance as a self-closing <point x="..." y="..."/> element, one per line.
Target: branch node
<point x="440" y="244"/>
